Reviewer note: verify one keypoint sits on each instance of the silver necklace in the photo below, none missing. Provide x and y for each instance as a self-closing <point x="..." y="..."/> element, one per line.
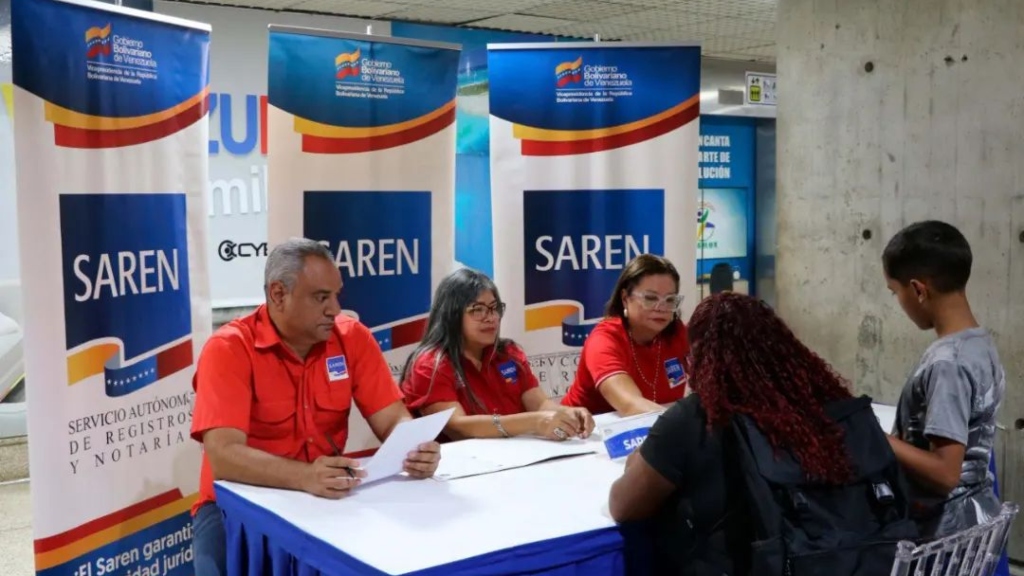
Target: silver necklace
<point x="657" y="362"/>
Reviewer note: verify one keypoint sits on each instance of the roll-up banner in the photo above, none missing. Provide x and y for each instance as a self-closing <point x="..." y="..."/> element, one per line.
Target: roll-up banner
<point x="593" y="162"/>
<point x="361" y="157"/>
<point x="111" y="137"/>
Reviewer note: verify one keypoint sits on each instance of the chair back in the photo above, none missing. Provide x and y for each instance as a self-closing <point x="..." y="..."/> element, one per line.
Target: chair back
<point x="971" y="552"/>
<point x="721" y="278"/>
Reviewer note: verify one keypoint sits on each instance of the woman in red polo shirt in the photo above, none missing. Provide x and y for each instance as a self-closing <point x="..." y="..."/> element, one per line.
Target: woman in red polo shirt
<point x="464" y="363"/>
<point x="634" y="360"/>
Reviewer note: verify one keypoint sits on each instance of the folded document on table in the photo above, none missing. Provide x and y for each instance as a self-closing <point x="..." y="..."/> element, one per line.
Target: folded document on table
<point x="486" y="455"/>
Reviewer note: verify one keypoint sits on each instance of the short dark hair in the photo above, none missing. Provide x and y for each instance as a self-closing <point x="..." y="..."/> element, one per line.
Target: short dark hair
<point x="931" y="251"/>
<point x="636" y="270"/>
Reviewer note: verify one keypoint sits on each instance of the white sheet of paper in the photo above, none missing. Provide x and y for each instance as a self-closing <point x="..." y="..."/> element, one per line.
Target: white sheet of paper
<point x="404" y="438"/>
<point x="886" y="416"/>
<point x="487" y="455"/>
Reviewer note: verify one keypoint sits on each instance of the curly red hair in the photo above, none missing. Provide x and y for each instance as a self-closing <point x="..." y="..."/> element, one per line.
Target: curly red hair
<point x="747" y="361"/>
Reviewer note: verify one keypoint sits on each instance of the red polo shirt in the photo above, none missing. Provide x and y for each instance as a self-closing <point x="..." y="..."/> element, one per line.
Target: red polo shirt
<point x="607" y="352"/>
<point x="499" y="384"/>
<point x="248" y="379"/>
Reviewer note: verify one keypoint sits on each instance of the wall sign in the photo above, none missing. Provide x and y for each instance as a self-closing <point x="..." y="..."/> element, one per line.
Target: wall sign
<point x="760" y="89"/>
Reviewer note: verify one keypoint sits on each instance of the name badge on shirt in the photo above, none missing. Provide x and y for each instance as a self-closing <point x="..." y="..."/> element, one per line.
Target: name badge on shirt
<point x="337" y="368"/>
<point x="674" y="371"/>
<point x="509" y="372"/>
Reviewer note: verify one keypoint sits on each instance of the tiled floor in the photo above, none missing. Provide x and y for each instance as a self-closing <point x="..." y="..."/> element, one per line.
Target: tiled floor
<point x="15" y="530"/>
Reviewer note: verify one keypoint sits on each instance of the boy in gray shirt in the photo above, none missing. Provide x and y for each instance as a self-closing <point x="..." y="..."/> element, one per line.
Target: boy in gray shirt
<point x="946" y="418"/>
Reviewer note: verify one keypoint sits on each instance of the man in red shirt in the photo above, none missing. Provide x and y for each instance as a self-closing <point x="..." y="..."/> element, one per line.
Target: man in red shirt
<point x="274" y="390"/>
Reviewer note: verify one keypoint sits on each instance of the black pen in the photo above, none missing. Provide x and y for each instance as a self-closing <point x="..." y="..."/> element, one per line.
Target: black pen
<point x="337" y="452"/>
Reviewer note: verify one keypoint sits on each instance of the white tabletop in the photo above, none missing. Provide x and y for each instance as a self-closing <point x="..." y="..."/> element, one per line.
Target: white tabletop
<point x="443" y="522"/>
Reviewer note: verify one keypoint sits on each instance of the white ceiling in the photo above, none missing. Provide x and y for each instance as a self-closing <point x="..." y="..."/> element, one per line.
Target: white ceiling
<point x="730" y="29"/>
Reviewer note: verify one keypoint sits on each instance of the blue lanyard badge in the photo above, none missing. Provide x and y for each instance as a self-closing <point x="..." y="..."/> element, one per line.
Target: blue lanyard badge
<point x="509" y="372"/>
<point x="674" y="372"/>
<point x="337" y="368"/>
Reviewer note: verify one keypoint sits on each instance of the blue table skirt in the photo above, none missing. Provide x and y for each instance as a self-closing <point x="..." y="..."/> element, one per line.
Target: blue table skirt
<point x="250" y="530"/>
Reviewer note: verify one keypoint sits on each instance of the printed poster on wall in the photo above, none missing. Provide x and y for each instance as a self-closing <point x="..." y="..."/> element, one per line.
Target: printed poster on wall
<point x="725" y="199"/>
<point x="361" y="157"/>
<point x="111" y="157"/>
<point x="593" y="162"/>
<point x="722" y="223"/>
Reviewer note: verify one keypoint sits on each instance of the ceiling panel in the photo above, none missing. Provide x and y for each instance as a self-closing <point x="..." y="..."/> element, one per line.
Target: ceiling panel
<point x="727" y="45"/>
<point x="263" y="4"/>
<point x="745" y="28"/>
<point x="500" y="6"/>
<point x="523" y="23"/>
<point x="666" y="35"/>
<point x="440" y="15"/>
<point x="653" y="3"/>
<point x="659" y="18"/>
<point x="594" y="10"/>
<point x="357" y="8"/>
<point x="734" y="29"/>
<point x="590" y="29"/>
<point x="761" y="52"/>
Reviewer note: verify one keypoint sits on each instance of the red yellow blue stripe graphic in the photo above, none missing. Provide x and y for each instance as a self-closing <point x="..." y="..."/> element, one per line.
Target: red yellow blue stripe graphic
<point x="318" y="138"/>
<point x="97" y="41"/>
<point x="564" y="315"/>
<point x="67" y="546"/>
<point x="544" y="142"/>
<point x="103" y="358"/>
<point x="404" y="334"/>
<point x="76" y="130"/>
<point x="567" y="72"/>
<point x="347" y="64"/>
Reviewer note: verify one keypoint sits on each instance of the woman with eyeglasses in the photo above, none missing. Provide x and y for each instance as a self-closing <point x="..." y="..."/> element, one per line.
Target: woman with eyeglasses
<point x="634" y="360"/>
<point x="463" y="362"/>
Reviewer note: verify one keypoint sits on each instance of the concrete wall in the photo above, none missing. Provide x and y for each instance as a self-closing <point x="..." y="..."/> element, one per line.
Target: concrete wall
<point x="893" y="111"/>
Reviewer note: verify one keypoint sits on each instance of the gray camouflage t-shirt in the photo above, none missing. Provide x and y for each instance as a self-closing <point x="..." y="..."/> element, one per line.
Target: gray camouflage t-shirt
<point x="954" y="393"/>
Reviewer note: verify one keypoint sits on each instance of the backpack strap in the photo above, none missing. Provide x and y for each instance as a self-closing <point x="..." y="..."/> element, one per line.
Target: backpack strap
<point x="765" y="516"/>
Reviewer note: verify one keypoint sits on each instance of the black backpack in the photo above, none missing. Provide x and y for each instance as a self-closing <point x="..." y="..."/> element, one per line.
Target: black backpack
<point x="805" y="529"/>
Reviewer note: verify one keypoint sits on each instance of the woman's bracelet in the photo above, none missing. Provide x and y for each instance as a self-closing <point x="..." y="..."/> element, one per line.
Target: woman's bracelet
<point x="497" y="424"/>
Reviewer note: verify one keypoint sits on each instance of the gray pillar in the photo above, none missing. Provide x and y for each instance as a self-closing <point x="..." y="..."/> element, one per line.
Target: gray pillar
<point x="893" y="111"/>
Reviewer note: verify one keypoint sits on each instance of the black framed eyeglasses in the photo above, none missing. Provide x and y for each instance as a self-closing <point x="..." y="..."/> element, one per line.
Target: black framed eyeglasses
<point x="480" y="311"/>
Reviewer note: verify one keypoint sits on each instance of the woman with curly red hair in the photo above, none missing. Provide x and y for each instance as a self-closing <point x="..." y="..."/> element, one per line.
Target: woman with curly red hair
<point x="745" y="361"/>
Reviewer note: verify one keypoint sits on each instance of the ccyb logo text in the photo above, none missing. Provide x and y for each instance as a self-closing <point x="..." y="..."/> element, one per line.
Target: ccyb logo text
<point x="228" y="250"/>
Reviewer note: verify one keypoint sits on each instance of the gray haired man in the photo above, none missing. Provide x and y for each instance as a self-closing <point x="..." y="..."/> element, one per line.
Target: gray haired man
<point x="274" y="390"/>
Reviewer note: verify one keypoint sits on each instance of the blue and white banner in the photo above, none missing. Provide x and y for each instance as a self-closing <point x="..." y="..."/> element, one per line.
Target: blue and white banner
<point x="725" y="227"/>
<point x="361" y="155"/>
<point x="593" y="162"/>
<point x="111" y="133"/>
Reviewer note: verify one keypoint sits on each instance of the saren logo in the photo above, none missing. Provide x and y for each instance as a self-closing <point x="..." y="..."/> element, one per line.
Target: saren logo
<point x="127" y="306"/>
<point x="576" y="243"/>
<point x="381" y="244"/>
